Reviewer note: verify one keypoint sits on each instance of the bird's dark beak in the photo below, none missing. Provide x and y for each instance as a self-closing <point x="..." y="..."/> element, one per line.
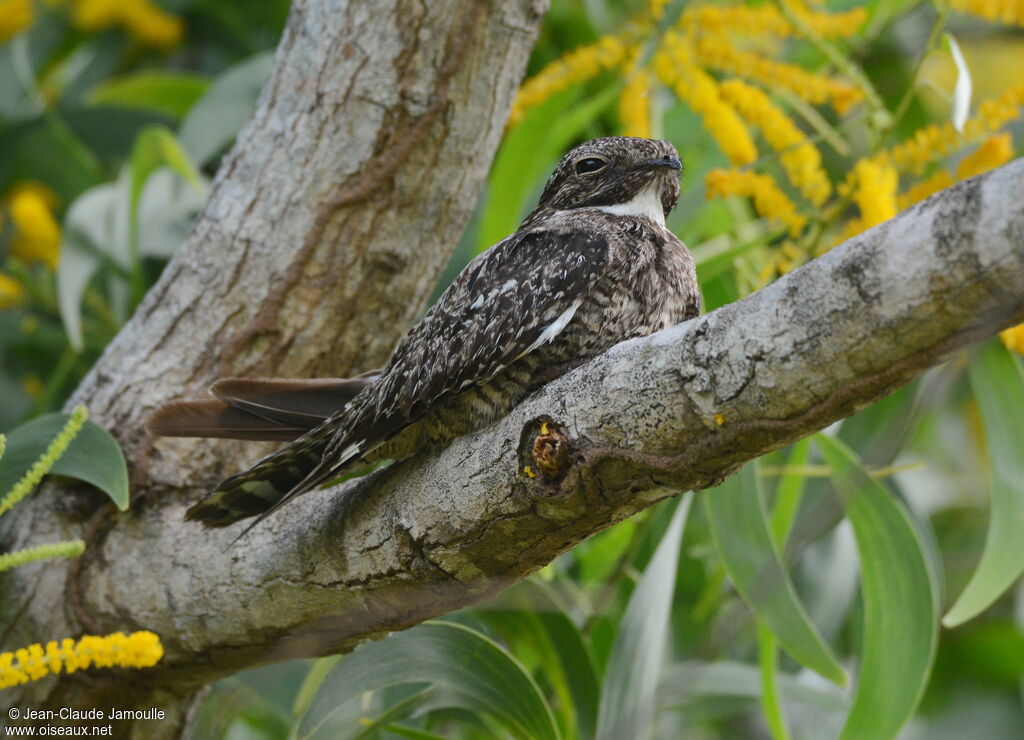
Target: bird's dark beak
<point x="666" y="161"/>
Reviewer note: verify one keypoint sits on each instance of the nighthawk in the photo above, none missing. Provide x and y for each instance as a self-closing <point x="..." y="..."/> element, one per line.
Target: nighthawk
<point x="591" y="266"/>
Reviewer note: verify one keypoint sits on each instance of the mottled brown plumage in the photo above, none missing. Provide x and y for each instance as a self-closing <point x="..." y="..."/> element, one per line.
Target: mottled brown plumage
<point x="591" y="266"/>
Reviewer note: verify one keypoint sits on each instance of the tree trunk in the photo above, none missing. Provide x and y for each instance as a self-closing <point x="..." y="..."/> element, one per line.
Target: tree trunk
<point x="326" y="229"/>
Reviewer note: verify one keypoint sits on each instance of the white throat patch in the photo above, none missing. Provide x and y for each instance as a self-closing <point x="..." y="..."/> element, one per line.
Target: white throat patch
<point x="645" y="204"/>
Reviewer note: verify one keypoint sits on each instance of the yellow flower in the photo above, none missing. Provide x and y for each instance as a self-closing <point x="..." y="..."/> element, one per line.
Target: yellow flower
<point x="143" y="19"/>
<point x="996" y="151"/>
<point x="15" y="16"/>
<point x="766" y="19"/>
<point x="716" y="52"/>
<point x="635" y="105"/>
<point x="1008" y="12"/>
<point x="151" y="25"/>
<point x="1013" y="338"/>
<point x="936" y="141"/>
<point x="137" y="650"/>
<point x="674" y="65"/>
<point x="769" y="200"/>
<point x="799" y="157"/>
<point x="37" y="237"/>
<point x="875" y="192"/>
<point x="924" y="189"/>
<point x="95" y="15"/>
<point x="576" y="66"/>
<point x="11" y="291"/>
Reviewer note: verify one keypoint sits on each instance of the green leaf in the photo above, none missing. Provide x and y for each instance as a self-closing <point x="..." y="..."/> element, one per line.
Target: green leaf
<point x="630" y="684"/>
<point x="900" y="600"/>
<point x="743" y="538"/>
<point x="999" y="388"/>
<point x="91" y="229"/>
<point x="218" y="116"/>
<point x="768" y="660"/>
<point x="565" y="659"/>
<point x="789" y="493"/>
<point x="169" y="92"/>
<point x="475" y="671"/>
<point x="686" y="682"/>
<point x="93" y="456"/>
<point x="154" y="147"/>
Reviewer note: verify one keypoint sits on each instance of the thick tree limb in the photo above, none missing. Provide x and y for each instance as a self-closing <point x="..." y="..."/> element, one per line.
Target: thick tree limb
<point x="325" y="232"/>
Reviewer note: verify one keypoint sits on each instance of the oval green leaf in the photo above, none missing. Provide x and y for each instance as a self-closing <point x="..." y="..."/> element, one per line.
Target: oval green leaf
<point x="999" y="387"/>
<point x="900" y="600"/>
<point x="743" y="538"/>
<point x="93" y="456"/>
<point x="464" y="662"/>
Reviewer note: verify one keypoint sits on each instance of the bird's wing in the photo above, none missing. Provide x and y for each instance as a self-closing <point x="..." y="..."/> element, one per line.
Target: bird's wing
<point x="510" y="300"/>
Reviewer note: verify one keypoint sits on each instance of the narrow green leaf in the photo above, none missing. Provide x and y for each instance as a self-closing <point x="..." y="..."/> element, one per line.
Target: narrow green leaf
<point x="999" y="387"/>
<point x="787" y="503"/>
<point x="311" y="683"/>
<point x="565" y="660"/>
<point x="483" y="676"/>
<point x="163" y="91"/>
<point x="631" y="681"/>
<point x="692" y="680"/>
<point x="741" y="531"/>
<point x="788" y="494"/>
<point x="900" y="600"/>
<point x="768" y="661"/>
<point x="93" y="456"/>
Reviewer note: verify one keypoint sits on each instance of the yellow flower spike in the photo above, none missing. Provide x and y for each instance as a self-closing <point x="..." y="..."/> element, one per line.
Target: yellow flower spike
<point x="875" y="194"/>
<point x="635" y="104"/>
<point x="766" y="19"/>
<point x="996" y="151"/>
<point x="66" y="549"/>
<point x="37" y="236"/>
<point x="577" y="66"/>
<point x="716" y="52"/>
<point x="46" y="461"/>
<point x="1007" y="12"/>
<point x="674" y="65"/>
<point x="936" y="141"/>
<point x="1013" y="338"/>
<point x="924" y="189"/>
<point x="137" y="650"/>
<point x="800" y="158"/>
<point x="769" y="200"/>
<point x="11" y="291"/>
<point x="15" y="17"/>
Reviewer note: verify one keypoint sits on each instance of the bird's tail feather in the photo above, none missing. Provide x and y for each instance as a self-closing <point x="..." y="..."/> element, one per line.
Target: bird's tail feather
<point x="261" y="489"/>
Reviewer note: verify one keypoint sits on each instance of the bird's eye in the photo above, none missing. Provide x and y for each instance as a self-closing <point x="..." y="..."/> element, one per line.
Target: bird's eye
<point x="590" y="164"/>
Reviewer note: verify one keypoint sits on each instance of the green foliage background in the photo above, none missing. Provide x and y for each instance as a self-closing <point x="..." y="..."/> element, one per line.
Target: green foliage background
<point x="802" y="598"/>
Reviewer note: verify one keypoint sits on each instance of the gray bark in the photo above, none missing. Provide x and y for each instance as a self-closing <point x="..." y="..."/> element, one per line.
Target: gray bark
<point x="326" y="229"/>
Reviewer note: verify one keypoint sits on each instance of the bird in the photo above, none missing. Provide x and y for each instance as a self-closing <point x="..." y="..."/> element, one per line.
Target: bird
<point x="592" y="265"/>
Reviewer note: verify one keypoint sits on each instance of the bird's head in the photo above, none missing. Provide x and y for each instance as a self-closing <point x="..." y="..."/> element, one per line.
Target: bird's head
<point x="619" y="174"/>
